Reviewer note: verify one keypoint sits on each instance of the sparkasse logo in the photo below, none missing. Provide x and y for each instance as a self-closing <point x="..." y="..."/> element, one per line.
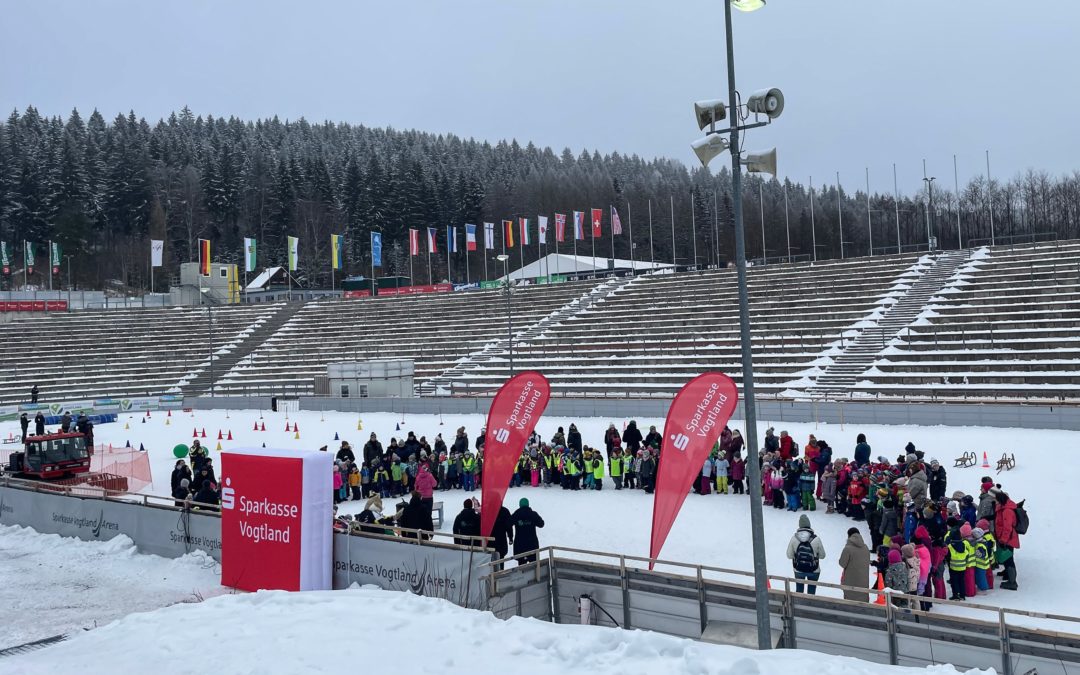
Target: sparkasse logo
<point x="680" y="441"/>
<point x="228" y="495"/>
<point x="502" y="434"/>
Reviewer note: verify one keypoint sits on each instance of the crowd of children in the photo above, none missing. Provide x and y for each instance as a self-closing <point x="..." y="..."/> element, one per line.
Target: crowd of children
<point x="924" y="539"/>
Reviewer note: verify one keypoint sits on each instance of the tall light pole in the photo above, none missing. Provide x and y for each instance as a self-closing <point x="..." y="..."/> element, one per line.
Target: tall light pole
<point x="769" y="102"/>
<point x="929" y="205"/>
<point x="509" y="316"/>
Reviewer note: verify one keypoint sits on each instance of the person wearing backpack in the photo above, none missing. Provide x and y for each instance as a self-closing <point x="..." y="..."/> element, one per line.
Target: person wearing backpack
<point x="1010" y="521"/>
<point x="804" y="551"/>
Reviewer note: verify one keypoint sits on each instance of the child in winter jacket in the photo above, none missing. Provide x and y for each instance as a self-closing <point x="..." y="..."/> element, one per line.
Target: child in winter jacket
<point x="959" y="552"/>
<point x="914" y="567"/>
<point x="776" y="488"/>
<point x="896" y="575"/>
<point x="721" y="468"/>
<point x="889" y="527"/>
<point x="806" y="488"/>
<point x="738" y="474"/>
<point x="365" y="480"/>
<point x="338" y="483"/>
<point x="984" y="556"/>
<point x="706" y="476"/>
<point x="354" y="481"/>
<point x="828" y="488"/>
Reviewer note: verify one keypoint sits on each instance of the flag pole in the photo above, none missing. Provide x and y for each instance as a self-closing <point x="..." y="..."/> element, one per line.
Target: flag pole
<point x="449" y="277"/>
<point x="374" y="286"/>
<point x="49" y="252"/>
<point x="467" y="280"/>
<point x="592" y="238"/>
<point x="539" y="254"/>
<point x="630" y="227"/>
<point x="152" y="270"/>
<point x="575" y="243"/>
<point x="24" y="278"/>
<point x="652" y="256"/>
<point x="484" y="251"/>
<point x="672" y="200"/>
<point x="612" y="226"/>
<point x="693" y="226"/>
<point x="411" y="256"/>
<point x="557" y="241"/>
<point x="521" y="248"/>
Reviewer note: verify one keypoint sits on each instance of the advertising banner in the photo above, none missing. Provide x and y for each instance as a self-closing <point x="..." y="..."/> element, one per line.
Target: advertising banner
<point x="433" y="570"/>
<point x="487" y="285"/>
<point x="466" y="287"/>
<point x="276" y="512"/>
<point x="139" y="404"/>
<point x="695" y="419"/>
<point x="514" y="412"/>
<point x="412" y="290"/>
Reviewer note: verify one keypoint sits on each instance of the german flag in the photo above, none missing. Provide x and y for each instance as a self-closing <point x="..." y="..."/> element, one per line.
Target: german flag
<point x="508" y="227"/>
<point x="204" y="257"/>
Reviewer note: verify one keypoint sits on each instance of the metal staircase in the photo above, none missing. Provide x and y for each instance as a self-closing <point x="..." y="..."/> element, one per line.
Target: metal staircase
<point x="860" y="354"/>
<point x="442" y="383"/>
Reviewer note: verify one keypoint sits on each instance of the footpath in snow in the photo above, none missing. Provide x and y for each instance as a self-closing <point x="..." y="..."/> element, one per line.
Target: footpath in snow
<point x="323" y="632"/>
<point x="55" y="585"/>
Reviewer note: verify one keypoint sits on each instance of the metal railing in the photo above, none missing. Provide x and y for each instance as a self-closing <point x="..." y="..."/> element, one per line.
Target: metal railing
<point x="898" y="615"/>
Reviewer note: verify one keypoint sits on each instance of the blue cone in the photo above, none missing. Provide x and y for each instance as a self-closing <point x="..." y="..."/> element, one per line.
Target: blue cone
<point x="336" y="437"/>
<point x="128" y="444"/>
<point x="397" y="427"/>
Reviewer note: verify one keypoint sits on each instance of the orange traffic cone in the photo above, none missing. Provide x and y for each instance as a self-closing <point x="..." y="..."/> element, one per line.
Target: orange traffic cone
<point x="256" y="427"/>
<point x="296" y="427"/>
<point x="880" y="588"/>
<point x="204" y="432"/>
<point x="263" y="427"/>
<point x="986" y="462"/>
<point x="220" y="436"/>
<point x="229" y="437"/>
<point x="288" y="427"/>
<point x="195" y="432"/>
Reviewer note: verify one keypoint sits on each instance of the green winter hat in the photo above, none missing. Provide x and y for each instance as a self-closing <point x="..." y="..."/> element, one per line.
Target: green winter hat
<point x="523" y="502"/>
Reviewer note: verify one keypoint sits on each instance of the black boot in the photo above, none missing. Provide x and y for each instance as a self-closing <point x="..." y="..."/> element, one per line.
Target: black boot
<point x="1010" y="579"/>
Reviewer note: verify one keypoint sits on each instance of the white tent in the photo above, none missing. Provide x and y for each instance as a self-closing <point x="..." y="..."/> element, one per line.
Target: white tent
<point x="562" y="264"/>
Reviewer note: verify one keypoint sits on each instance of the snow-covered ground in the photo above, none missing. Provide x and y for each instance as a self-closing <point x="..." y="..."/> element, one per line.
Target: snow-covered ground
<point x="55" y="585"/>
<point x="387" y="632"/>
<point x="712" y="530"/>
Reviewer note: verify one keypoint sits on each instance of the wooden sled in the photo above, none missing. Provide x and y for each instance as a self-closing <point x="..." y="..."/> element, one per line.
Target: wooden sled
<point x="1007" y="462"/>
<point x="967" y="459"/>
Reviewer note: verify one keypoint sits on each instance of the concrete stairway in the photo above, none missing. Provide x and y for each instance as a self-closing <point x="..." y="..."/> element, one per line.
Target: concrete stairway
<point x="860" y="354"/>
<point x="223" y="363"/>
<point x="497" y="349"/>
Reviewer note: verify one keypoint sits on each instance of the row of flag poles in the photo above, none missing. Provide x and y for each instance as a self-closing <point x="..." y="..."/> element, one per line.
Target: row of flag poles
<point x="7" y="258"/>
<point x="514" y="235"/>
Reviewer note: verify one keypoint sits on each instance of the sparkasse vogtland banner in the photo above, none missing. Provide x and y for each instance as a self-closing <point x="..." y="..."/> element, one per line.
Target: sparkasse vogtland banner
<point x="695" y="419"/>
<point x="514" y="412"/>
<point x="276" y="520"/>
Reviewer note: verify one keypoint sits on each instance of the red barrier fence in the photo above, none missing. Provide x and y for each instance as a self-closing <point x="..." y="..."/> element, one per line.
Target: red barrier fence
<point x="34" y="306"/>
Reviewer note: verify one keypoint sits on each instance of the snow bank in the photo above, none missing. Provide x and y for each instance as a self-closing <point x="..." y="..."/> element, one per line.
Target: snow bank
<point x="277" y="632"/>
<point x="55" y="585"/>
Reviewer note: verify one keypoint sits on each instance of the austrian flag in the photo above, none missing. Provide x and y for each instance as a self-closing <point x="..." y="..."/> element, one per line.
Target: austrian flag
<point x="414" y="241"/>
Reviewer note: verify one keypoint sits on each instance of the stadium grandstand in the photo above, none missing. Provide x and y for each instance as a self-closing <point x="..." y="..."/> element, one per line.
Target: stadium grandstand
<point x="1000" y="323"/>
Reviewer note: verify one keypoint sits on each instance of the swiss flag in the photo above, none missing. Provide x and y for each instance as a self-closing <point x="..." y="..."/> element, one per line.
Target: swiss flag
<point x="597" y="217"/>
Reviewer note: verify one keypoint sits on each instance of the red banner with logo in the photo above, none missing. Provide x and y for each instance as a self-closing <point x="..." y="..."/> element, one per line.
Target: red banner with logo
<point x="515" y="410"/>
<point x="694" y="422"/>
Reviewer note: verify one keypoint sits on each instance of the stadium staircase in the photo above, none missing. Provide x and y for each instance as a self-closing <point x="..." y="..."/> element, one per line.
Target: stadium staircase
<point x="223" y="363"/>
<point x="443" y="384"/>
<point x="859" y="355"/>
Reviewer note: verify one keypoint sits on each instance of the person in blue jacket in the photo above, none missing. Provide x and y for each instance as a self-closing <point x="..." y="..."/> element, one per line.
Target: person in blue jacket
<point x="862" y="451"/>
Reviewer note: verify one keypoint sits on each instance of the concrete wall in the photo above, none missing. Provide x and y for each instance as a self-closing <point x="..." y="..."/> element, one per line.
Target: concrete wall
<point x="1002" y="415"/>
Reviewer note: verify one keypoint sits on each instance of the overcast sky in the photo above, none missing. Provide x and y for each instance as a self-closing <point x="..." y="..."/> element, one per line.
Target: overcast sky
<point x="867" y="83"/>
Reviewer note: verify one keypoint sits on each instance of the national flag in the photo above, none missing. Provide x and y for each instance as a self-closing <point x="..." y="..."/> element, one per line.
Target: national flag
<point x="337" y="243"/>
<point x="542" y="228"/>
<point x="431" y="248"/>
<point x="376" y="249"/>
<point x="451" y="239"/>
<point x="579" y="224"/>
<point x="489" y="236"/>
<point x="5" y="257"/>
<point x="250" y="254"/>
<point x="616" y="224"/>
<point x="294" y="253"/>
<point x="414" y="241"/>
<point x="523" y="224"/>
<point x="204" y="257"/>
<point x="560" y="227"/>
<point x="54" y="256"/>
<point x="470" y="237"/>
<point x="597" y="218"/>
<point x="508" y="225"/>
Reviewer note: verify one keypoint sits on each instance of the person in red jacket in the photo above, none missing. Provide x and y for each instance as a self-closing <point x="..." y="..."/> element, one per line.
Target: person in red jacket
<point x="425" y="485"/>
<point x="788" y="450"/>
<point x="1008" y="539"/>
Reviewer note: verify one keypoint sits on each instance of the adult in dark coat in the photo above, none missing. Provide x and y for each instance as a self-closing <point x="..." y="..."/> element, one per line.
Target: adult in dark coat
<point x="34" y="394"/>
<point x="525" y="522"/>
<point x="179" y="473"/>
<point x="181" y="492"/>
<point x="936" y="480"/>
<point x="631" y="436"/>
<point x="24" y="422"/>
<point x="467" y="525"/>
<point x="862" y="450"/>
<point x="648" y="472"/>
<point x="416" y="516"/>
<point x="373" y="450"/>
<point x="503" y="532"/>
<point x="65" y="422"/>
<point x="207" y="495"/>
<point x="345" y="453"/>
<point x="653" y="438"/>
<point x="573" y="438"/>
<point x="461" y="442"/>
<point x="855" y="561"/>
<point x="411" y="446"/>
<point x="39" y="424"/>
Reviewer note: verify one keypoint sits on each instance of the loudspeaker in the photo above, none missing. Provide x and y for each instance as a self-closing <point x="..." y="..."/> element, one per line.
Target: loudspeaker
<point x="766" y="102"/>
<point x="761" y="162"/>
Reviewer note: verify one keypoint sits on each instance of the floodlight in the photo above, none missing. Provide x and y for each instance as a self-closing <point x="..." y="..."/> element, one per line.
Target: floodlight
<point x="747" y="5"/>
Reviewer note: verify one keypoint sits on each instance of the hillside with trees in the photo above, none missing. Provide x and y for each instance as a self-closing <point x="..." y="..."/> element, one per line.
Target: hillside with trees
<point x="104" y="189"/>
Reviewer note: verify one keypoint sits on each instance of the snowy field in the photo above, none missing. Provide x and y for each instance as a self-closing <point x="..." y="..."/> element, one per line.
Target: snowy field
<point x="55" y="585"/>
<point x="711" y="530"/>
<point x="276" y="632"/>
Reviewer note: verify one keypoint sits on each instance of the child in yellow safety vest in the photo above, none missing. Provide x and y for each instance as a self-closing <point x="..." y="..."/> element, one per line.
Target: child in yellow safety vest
<point x="984" y="556"/>
<point x="598" y="471"/>
<point x="616" y="462"/>
<point x="587" y="462"/>
<point x="961" y="554"/>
